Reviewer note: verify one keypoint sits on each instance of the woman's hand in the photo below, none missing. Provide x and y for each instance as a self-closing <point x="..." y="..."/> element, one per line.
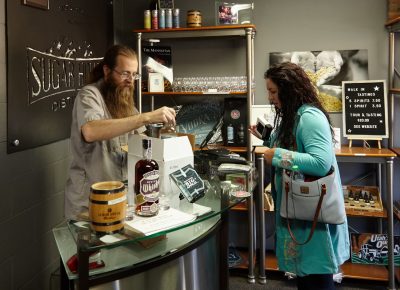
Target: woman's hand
<point x="252" y="130"/>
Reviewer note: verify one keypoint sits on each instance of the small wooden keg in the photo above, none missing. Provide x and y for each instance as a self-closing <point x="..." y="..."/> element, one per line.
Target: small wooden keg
<point x="107" y="207"/>
<point x="193" y="18"/>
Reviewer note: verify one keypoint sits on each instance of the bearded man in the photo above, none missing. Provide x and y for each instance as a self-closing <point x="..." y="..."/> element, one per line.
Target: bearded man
<point x="102" y="117"/>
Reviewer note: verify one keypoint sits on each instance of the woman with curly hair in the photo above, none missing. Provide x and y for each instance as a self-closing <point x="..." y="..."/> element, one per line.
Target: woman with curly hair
<point x="303" y="132"/>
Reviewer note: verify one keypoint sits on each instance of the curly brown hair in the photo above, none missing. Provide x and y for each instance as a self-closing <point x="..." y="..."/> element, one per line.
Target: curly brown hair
<point x="294" y="90"/>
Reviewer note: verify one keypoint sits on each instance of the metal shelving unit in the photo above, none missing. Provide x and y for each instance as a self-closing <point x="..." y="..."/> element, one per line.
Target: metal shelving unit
<point x="246" y="32"/>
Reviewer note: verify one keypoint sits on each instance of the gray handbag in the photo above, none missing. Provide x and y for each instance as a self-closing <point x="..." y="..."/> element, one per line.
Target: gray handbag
<point x="317" y="201"/>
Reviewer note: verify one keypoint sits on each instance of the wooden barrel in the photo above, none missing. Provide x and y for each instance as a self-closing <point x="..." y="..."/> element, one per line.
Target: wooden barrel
<point x="107" y="206"/>
<point x="193" y="18"/>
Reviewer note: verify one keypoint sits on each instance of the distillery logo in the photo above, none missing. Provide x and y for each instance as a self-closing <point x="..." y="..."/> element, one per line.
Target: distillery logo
<point x="56" y="78"/>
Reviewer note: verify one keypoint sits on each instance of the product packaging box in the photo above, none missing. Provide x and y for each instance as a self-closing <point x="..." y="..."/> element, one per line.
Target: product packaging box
<point x="171" y="154"/>
<point x="373" y="249"/>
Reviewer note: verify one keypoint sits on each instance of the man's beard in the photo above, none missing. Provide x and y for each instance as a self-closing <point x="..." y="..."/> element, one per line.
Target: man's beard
<point x="118" y="98"/>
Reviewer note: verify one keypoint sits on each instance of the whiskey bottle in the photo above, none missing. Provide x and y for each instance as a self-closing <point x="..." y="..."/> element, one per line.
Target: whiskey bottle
<point x="147" y="183"/>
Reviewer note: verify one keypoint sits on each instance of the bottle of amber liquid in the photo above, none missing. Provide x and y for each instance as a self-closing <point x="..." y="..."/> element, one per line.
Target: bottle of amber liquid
<point x="147" y="183"/>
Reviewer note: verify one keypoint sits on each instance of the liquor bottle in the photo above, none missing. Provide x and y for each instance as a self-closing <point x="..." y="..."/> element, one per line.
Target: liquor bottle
<point x="241" y="134"/>
<point x="147" y="183"/>
<point x="230" y="134"/>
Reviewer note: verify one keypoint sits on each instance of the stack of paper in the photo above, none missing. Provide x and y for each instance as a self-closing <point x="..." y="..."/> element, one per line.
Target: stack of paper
<point x="165" y="220"/>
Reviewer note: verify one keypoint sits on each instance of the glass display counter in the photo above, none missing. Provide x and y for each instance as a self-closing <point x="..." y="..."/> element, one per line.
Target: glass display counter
<point x="189" y="256"/>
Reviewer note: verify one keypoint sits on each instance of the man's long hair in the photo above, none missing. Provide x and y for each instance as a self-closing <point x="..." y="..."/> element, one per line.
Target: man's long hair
<point x="119" y="100"/>
<point x="294" y="90"/>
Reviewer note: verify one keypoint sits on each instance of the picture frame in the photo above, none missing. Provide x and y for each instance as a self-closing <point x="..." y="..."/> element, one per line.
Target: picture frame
<point x="156" y="82"/>
<point x="165" y="4"/>
<point x="227" y="13"/>
<point x="42" y="4"/>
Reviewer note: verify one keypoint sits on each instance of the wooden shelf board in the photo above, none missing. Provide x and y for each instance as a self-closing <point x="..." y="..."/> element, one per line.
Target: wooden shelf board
<point x="365" y="152"/>
<point x="190" y="93"/>
<point x="202" y="28"/>
<point x="365" y="272"/>
<point x="358" y="213"/>
<point x="350" y="270"/>
<point x="394" y="91"/>
<point x="396" y="150"/>
<point x="271" y="262"/>
<point x="240" y="207"/>
<point x="393" y="21"/>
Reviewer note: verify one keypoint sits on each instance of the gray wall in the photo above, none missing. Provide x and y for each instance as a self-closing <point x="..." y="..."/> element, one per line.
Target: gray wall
<point x="32" y="200"/>
<point x="32" y="181"/>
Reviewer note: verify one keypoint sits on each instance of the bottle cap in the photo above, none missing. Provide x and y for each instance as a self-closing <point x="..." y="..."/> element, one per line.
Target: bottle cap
<point x="295" y="168"/>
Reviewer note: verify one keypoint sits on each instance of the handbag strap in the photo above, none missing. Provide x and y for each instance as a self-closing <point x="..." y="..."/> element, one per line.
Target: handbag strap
<point x="315" y="220"/>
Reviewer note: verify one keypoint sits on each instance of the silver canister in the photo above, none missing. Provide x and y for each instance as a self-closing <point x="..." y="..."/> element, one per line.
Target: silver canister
<point x="154" y="19"/>
<point x="161" y="18"/>
<point x="147" y="19"/>
<point x="168" y="18"/>
<point x="175" y="18"/>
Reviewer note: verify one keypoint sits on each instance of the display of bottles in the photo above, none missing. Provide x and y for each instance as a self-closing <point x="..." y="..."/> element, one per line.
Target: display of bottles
<point x="230" y="134"/>
<point x="296" y="174"/>
<point x="147" y="183"/>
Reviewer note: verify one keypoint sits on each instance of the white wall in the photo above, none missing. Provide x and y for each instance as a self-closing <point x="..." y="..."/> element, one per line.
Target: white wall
<point x="31" y="200"/>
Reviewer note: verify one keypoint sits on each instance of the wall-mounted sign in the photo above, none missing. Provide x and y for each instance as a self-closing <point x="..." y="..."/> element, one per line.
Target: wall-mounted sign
<point x="46" y="70"/>
<point x="365" y="113"/>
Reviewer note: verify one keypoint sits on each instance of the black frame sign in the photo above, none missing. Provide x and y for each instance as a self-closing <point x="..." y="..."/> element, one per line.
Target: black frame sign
<point x="365" y="112"/>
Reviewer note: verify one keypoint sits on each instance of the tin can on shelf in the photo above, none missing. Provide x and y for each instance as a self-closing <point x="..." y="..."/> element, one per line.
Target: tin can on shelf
<point x="193" y="18"/>
<point x="154" y="19"/>
<point x="175" y="18"/>
<point x="147" y="19"/>
<point x="161" y="19"/>
<point x="168" y="18"/>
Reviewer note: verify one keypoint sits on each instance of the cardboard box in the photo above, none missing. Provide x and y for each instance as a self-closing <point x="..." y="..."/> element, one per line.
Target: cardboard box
<point x="373" y="249"/>
<point x="170" y="154"/>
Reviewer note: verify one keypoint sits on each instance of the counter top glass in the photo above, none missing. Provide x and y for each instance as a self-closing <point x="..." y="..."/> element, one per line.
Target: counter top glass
<point x="128" y="248"/>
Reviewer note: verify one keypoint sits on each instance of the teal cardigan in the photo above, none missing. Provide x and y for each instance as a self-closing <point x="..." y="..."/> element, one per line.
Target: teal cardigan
<point x="329" y="246"/>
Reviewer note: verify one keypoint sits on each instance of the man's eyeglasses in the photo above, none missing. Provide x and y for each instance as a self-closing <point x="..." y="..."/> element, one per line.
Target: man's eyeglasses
<point x="127" y="75"/>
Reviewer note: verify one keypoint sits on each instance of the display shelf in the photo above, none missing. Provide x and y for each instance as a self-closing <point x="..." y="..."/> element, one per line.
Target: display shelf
<point x="373" y="214"/>
<point x="365" y="272"/>
<point x="231" y="148"/>
<point x="271" y="262"/>
<point x="396" y="150"/>
<point x="394" y="91"/>
<point x="191" y="32"/>
<point x="192" y="93"/>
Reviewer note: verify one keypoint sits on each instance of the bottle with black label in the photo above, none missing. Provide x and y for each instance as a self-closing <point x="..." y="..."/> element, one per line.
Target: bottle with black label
<point x="147" y="183"/>
<point x="241" y="134"/>
<point x="230" y="134"/>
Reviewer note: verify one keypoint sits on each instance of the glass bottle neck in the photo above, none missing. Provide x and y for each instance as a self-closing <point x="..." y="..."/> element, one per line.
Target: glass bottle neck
<point x="147" y="153"/>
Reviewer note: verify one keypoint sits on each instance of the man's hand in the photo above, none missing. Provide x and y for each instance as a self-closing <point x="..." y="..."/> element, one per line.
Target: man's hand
<point x="163" y="115"/>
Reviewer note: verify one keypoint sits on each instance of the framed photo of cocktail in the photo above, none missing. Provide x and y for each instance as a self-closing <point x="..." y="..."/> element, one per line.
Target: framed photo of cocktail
<point x="165" y="4"/>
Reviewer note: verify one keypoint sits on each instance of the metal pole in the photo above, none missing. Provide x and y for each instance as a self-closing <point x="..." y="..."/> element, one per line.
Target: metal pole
<point x="261" y="221"/>
<point x="389" y="206"/>
<point x="139" y="81"/>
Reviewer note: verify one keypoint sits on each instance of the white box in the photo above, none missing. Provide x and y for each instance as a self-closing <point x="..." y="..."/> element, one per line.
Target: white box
<point x="171" y="154"/>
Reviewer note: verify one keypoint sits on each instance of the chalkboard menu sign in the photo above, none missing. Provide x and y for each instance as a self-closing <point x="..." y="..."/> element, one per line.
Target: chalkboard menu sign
<point x="365" y="113"/>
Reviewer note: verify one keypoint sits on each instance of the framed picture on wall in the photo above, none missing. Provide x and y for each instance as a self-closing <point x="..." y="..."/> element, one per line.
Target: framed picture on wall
<point x="163" y="4"/>
<point x="42" y="4"/>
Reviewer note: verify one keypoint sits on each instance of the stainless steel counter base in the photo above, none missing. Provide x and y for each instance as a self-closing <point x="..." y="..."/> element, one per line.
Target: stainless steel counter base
<point x="196" y="270"/>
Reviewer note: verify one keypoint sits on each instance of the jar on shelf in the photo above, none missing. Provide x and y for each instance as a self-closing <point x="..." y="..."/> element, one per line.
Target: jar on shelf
<point x="193" y="18"/>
